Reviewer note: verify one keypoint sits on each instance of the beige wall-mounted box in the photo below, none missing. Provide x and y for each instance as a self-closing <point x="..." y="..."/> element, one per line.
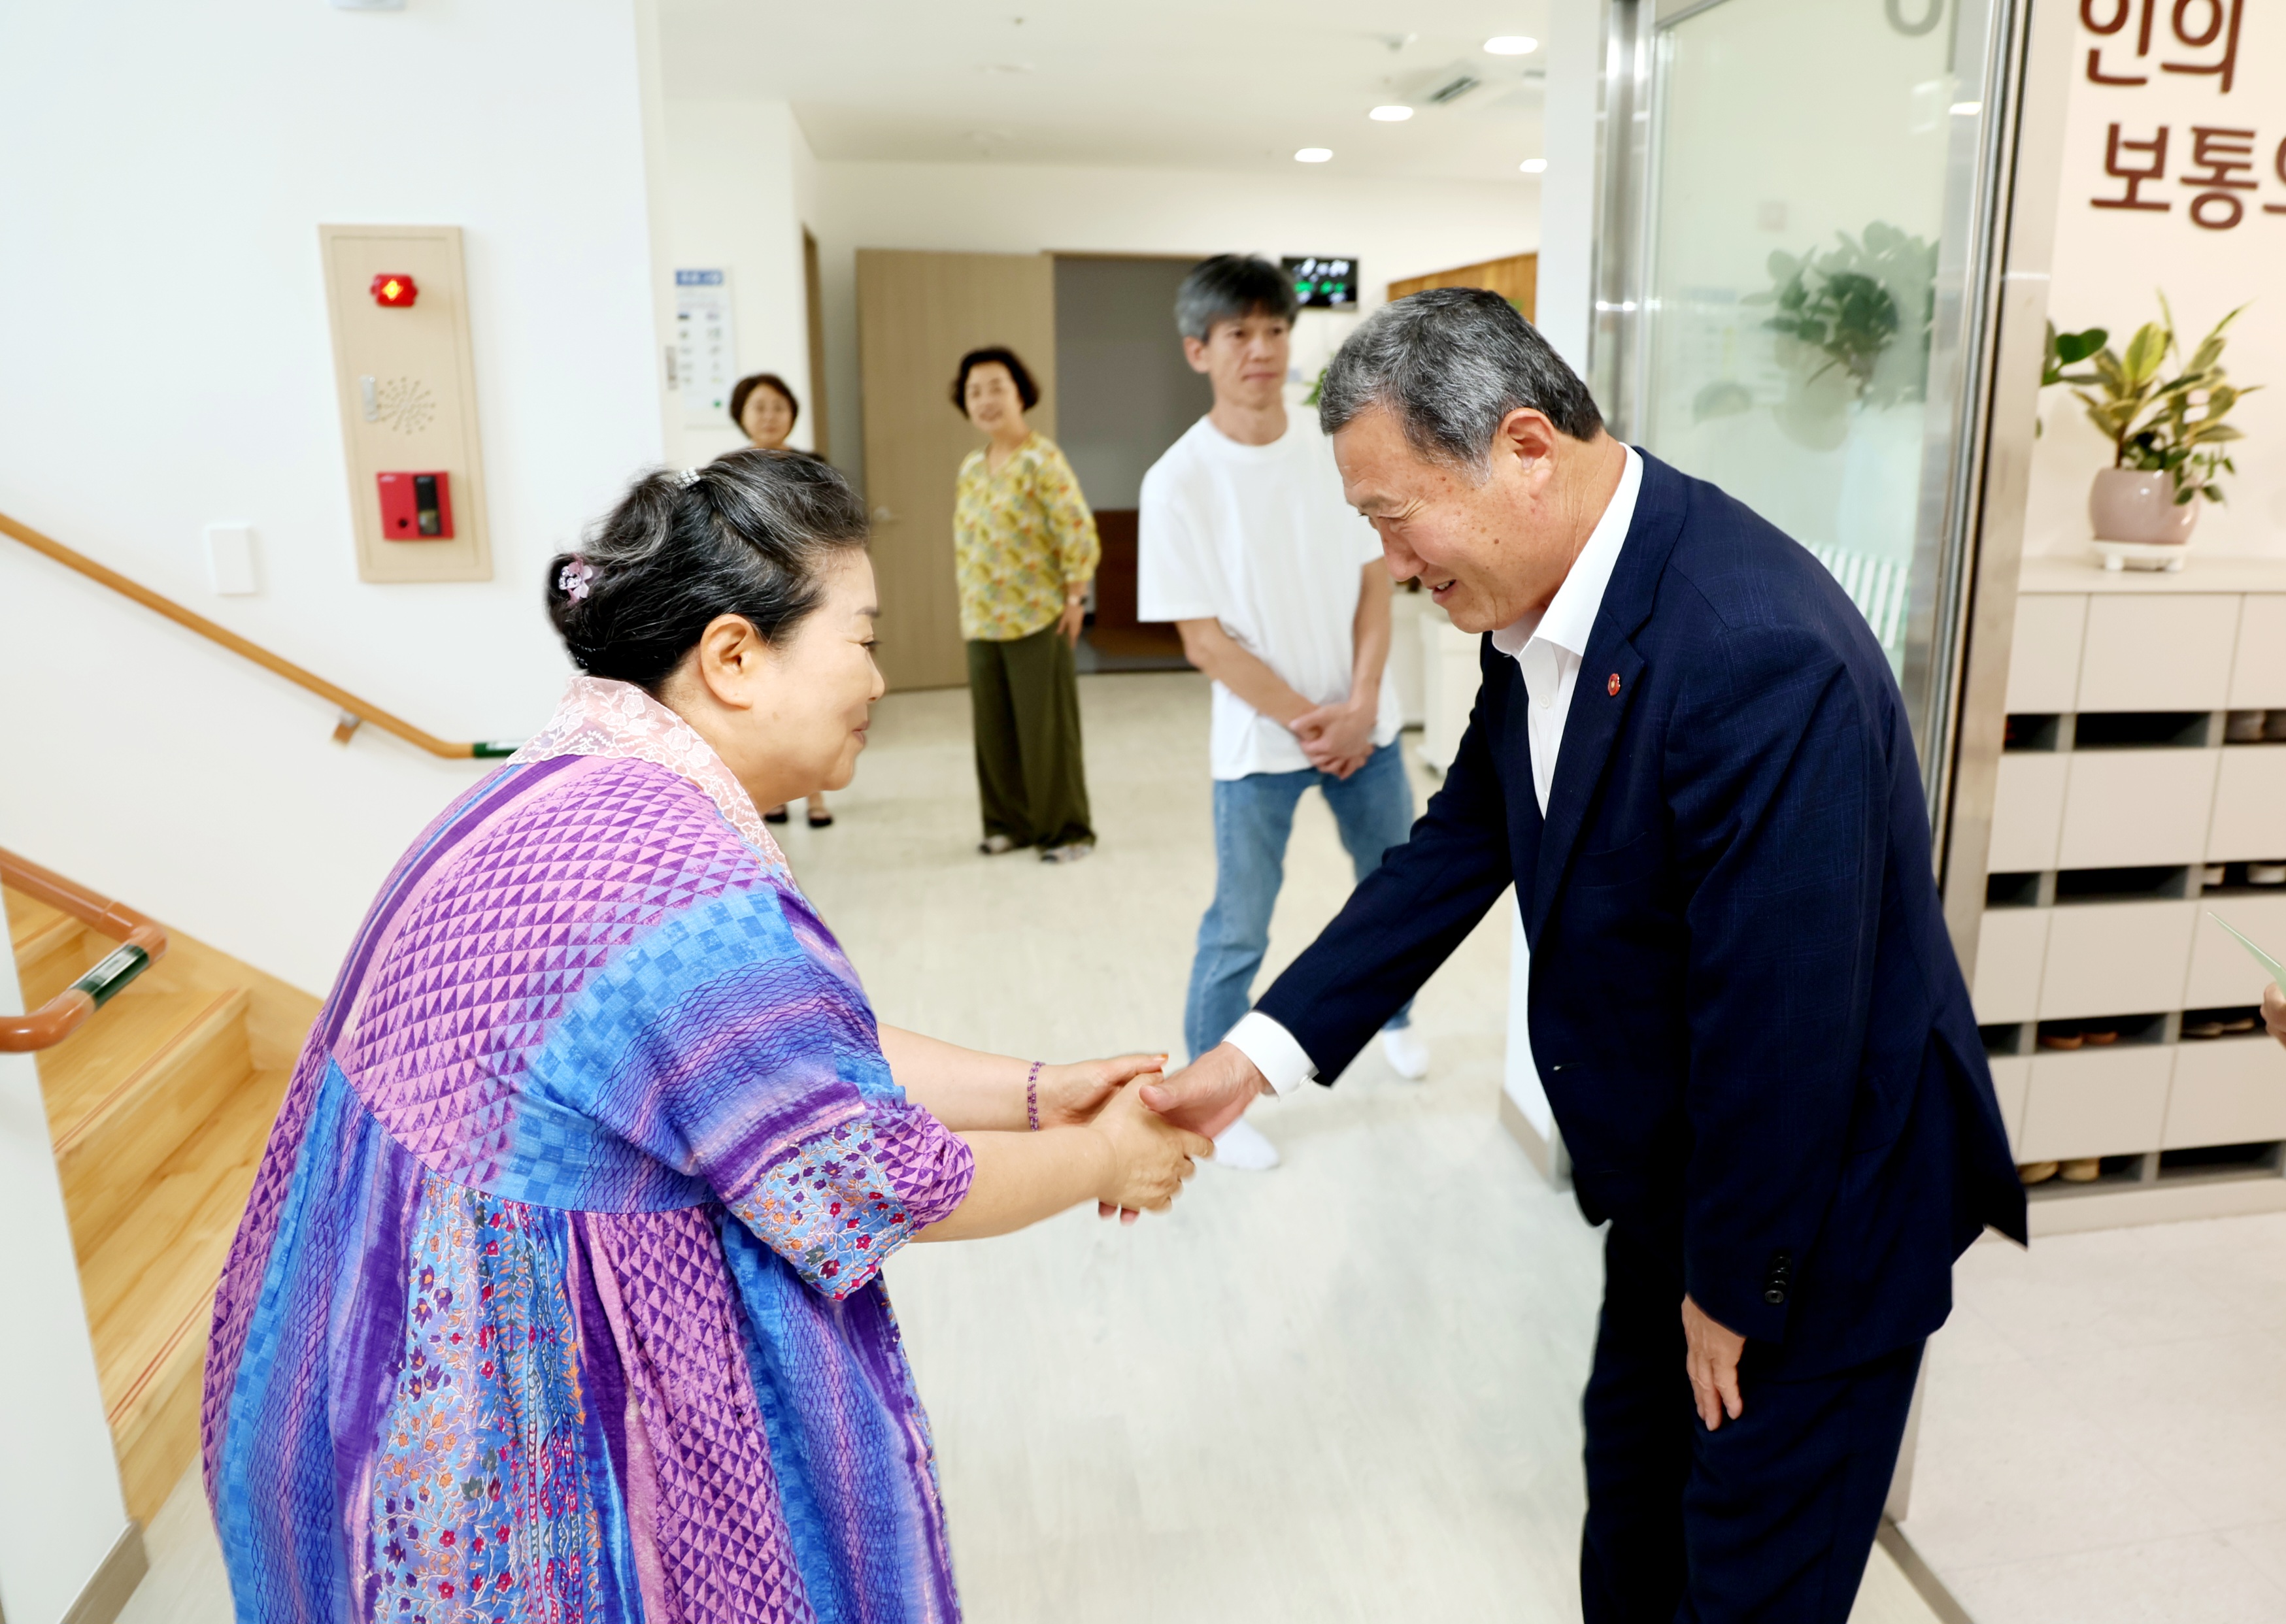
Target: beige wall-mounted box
<point x="2011" y="946"/>
<point x="2250" y="807"/>
<point x="2027" y="812"/>
<point x="2223" y="974"/>
<point x="2012" y="1076"/>
<point x="2097" y="1102"/>
<point x="2228" y="1091"/>
<point x="2115" y="957"/>
<point x="2158" y="653"/>
<point x="2043" y="665"/>
<point x="404" y="374"/>
<point x="2257" y="676"/>
<point x="2127" y="808"/>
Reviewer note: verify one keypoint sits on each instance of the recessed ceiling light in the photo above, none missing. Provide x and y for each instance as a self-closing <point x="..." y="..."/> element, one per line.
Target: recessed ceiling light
<point x="1313" y="154"/>
<point x="1391" y="115"/>
<point x="1533" y="166"/>
<point x="1965" y="109"/>
<point x="1511" y="44"/>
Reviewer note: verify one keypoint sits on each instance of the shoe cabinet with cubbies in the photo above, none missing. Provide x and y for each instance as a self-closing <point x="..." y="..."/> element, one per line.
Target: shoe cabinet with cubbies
<point x="2143" y="782"/>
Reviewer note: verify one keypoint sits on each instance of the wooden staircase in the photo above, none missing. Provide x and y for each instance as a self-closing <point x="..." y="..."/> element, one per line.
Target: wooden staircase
<point x="159" y="1108"/>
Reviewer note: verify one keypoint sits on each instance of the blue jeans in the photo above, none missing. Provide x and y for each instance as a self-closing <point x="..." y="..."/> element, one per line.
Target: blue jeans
<point x="1253" y="817"/>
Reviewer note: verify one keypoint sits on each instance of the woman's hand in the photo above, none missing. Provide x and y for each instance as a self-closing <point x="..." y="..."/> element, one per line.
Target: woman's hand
<point x="1070" y="623"/>
<point x="1149" y="1156"/>
<point x="2273" y="1011"/>
<point x="1072" y="1094"/>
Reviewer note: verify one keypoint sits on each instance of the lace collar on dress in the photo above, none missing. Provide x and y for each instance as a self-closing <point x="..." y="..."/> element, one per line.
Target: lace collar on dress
<point x="600" y="717"/>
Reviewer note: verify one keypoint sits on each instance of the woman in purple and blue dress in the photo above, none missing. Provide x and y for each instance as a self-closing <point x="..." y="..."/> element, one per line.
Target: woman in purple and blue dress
<point x="558" y="1296"/>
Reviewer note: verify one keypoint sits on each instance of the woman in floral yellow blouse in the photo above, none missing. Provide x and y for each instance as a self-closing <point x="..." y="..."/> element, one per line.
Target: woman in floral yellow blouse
<point x="1024" y="550"/>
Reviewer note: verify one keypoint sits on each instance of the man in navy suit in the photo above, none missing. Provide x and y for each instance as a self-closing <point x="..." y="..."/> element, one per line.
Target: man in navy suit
<point x="1691" y="759"/>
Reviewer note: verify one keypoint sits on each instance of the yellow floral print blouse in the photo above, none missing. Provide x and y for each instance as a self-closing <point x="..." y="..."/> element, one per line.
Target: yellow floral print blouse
<point x="1018" y="536"/>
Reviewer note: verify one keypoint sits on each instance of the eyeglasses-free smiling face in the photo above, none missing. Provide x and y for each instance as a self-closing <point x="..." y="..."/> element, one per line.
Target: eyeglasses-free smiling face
<point x="766" y="417"/>
<point x="1489" y="550"/>
<point x="991" y="398"/>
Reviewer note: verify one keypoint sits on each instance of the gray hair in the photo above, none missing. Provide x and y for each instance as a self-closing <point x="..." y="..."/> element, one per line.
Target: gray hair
<point x="1450" y="365"/>
<point x="1231" y="287"/>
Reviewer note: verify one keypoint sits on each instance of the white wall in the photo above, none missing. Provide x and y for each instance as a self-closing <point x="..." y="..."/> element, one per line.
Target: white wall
<point x="60" y="1520"/>
<point x="737" y="176"/>
<point x="169" y="365"/>
<point x="1394" y="228"/>
<point x="2107" y="261"/>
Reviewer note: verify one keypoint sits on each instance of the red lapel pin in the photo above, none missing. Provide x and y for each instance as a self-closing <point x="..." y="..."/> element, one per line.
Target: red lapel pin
<point x="1613" y="686"/>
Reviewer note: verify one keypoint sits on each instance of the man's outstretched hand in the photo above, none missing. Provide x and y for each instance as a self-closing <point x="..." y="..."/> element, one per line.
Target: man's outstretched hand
<point x="1209" y="1095"/>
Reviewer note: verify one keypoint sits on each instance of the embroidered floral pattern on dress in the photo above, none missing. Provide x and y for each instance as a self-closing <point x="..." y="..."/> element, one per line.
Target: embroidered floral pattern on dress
<point x="480" y="1510"/>
<point x="599" y="717"/>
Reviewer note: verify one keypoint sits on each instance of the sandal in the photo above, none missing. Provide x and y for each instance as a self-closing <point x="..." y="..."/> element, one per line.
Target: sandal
<point x="821" y="820"/>
<point x="779" y="816"/>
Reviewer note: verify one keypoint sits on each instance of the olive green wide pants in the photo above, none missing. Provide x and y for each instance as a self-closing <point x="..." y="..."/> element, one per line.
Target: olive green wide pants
<point x="1031" y="774"/>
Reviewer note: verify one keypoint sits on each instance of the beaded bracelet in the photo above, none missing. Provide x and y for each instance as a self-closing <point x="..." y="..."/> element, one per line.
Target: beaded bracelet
<point x="1032" y="1096"/>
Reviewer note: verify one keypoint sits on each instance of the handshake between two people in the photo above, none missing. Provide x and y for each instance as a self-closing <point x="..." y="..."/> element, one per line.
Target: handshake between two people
<point x="1155" y="1126"/>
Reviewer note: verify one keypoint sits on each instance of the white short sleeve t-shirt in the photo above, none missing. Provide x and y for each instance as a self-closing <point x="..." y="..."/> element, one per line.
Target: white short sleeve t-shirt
<point x="1258" y="537"/>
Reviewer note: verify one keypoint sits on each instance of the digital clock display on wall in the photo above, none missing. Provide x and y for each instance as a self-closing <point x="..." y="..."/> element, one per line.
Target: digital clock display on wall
<point x="1323" y="283"/>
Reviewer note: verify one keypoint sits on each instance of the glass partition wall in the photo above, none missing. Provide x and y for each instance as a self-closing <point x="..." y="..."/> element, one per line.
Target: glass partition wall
<point x="1794" y="284"/>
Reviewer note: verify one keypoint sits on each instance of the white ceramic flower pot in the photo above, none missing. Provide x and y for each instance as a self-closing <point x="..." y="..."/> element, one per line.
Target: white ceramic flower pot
<point x="2130" y="505"/>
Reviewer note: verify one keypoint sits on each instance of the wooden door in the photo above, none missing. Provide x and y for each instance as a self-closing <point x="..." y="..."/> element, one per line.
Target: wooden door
<point x="917" y="314"/>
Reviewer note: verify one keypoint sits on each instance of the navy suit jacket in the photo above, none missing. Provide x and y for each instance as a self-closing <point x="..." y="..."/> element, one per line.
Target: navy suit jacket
<point x="1747" y="1012"/>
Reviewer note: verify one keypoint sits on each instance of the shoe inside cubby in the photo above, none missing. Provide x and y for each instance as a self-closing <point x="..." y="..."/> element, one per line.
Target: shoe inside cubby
<point x="2162" y="884"/>
<point x="2208" y="1025"/>
<point x="2141" y="730"/>
<point x="2102" y="1032"/>
<point x="2253" y="879"/>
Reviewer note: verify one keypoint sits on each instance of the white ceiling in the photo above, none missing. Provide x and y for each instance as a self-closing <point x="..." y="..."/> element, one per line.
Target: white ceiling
<point x="1178" y="83"/>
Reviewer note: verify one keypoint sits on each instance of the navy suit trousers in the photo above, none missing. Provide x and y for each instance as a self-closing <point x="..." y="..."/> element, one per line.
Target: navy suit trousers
<point x="1769" y="1518"/>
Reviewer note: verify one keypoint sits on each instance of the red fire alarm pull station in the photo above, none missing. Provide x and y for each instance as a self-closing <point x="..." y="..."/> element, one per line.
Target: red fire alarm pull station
<point x="393" y="290"/>
<point x="415" y="507"/>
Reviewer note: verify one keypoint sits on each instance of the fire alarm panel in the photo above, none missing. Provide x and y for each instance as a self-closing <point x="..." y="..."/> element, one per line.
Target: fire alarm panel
<point x="405" y="381"/>
<point x="416" y="506"/>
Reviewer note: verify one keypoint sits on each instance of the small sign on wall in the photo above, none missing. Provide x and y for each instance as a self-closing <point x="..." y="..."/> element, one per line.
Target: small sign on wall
<point x="706" y="346"/>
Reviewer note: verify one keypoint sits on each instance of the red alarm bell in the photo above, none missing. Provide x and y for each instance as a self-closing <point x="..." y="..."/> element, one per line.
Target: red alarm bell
<point x="393" y="290"/>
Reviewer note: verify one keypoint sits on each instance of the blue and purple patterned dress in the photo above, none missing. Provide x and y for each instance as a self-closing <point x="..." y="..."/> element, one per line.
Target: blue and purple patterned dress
<point x="557" y="1296"/>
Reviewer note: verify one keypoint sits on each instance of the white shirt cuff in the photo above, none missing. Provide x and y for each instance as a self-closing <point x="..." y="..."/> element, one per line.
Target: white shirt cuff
<point x="1273" y="1052"/>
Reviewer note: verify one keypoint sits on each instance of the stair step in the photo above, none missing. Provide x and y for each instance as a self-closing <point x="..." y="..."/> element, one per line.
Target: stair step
<point x="129" y="1089"/>
<point x="149" y="1287"/>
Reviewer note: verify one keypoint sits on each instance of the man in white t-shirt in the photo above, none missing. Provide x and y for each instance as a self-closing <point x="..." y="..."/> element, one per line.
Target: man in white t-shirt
<point x="1281" y="596"/>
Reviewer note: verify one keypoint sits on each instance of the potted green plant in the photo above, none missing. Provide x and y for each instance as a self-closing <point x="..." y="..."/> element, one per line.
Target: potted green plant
<point x="2167" y="434"/>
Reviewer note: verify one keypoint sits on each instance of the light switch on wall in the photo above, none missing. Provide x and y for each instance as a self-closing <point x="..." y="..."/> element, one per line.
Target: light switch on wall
<point x="230" y="559"/>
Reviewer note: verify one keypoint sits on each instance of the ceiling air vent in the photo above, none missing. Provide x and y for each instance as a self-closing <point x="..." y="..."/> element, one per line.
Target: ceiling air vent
<point x="1450" y="91"/>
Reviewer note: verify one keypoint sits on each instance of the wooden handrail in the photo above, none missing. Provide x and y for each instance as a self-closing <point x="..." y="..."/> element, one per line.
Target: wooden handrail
<point x="141" y="944"/>
<point x="353" y="710"/>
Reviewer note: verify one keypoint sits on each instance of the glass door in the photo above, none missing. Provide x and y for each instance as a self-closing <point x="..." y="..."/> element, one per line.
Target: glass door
<point x="1810" y="188"/>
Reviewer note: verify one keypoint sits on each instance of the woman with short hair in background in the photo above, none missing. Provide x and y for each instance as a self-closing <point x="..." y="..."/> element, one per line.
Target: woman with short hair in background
<point x="1024" y="551"/>
<point x="765" y="408"/>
